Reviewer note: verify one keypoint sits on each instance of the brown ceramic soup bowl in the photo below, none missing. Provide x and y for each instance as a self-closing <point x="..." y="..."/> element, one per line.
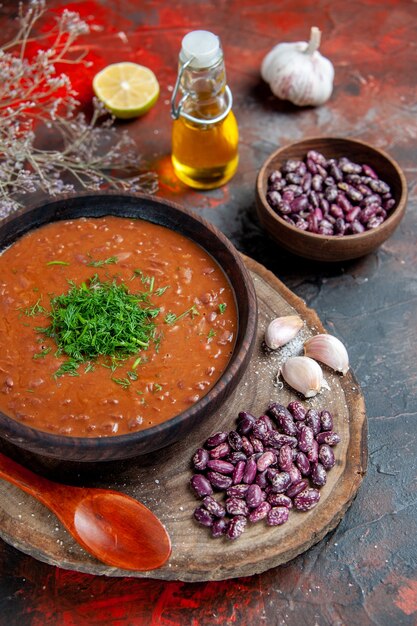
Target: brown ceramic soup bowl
<point x="320" y="247"/>
<point x="167" y="214"/>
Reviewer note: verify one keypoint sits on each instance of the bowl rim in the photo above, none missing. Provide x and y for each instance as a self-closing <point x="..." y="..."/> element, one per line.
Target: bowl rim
<point x="15" y="431"/>
<point x="368" y="234"/>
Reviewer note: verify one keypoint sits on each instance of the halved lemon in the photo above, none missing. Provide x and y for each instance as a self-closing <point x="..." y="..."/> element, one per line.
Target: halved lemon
<point x="126" y="89"/>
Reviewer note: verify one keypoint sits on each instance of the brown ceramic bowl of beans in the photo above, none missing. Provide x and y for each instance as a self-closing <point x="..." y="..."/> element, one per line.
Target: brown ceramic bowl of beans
<point x="330" y="199"/>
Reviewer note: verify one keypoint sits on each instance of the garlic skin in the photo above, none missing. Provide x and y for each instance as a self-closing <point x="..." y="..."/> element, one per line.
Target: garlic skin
<point x="281" y="330"/>
<point x="298" y="72"/>
<point x="304" y="375"/>
<point x="328" y="350"/>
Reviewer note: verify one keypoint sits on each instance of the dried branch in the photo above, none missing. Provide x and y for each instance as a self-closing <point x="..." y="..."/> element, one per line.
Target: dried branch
<point x="33" y="94"/>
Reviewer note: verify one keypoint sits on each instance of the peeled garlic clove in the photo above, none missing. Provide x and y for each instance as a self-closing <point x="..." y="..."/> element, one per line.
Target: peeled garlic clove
<point x="303" y="374"/>
<point x="328" y="350"/>
<point x="281" y="330"/>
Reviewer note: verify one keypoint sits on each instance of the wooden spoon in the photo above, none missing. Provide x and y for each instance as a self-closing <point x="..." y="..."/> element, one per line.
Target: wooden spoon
<point x="115" y="528"/>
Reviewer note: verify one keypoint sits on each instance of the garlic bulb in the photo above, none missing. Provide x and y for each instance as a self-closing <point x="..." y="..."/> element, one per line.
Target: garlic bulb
<point x="328" y="350"/>
<point x="298" y="72"/>
<point x="303" y="374"/>
<point x="281" y="330"/>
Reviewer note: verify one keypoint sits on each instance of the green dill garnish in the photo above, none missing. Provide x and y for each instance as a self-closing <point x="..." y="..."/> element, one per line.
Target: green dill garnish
<point x="57" y="263"/>
<point x="123" y="382"/>
<point x="43" y="353"/>
<point x="211" y="334"/>
<point x="110" y="261"/>
<point x="161" y="290"/>
<point x="171" y="318"/>
<point x="30" y="390"/>
<point x="156" y="387"/>
<point x="89" y="367"/>
<point x="136" y="363"/>
<point x="35" y="309"/>
<point x="132" y="375"/>
<point x="100" y="319"/>
<point x="68" y="367"/>
<point x="157" y="342"/>
<point x="149" y="281"/>
<point x="222" y="307"/>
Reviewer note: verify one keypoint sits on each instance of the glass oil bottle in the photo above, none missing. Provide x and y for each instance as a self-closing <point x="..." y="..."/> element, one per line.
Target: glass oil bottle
<point x="205" y="134"/>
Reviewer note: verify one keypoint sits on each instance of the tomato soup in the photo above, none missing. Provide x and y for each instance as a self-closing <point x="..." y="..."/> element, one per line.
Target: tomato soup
<point x="194" y="318"/>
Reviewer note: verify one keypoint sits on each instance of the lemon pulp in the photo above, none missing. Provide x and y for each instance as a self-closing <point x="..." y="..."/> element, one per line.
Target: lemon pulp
<point x="126" y="89"/>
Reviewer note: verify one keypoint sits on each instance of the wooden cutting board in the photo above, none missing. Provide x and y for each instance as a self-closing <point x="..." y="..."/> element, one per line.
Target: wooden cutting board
<point x="161" y="481"/>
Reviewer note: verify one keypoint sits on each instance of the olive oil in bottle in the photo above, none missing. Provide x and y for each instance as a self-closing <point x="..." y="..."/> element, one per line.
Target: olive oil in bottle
<point x="205" y="134"/>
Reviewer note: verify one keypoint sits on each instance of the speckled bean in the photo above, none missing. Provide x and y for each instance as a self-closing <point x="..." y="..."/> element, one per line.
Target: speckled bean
<point x="277" y="516"/>
<point x="280" y="482"/>
<point x="200" y="459"/>
<point x="296" y="488"/>
<point x="260" y="512"/>
<point x="214" y="507"/>
<point x="236" y="527"/>
<point x="307" y="499"/>
<point x="318" y="475"/>
<point x="203" y="517"/>
<point x="236" y="506"/>
<point x="201" y="485"/>
<point x="250" y="471"/>
<point x="326" y="420"/>
<point x="220" y="451"/>
<point x="219" y="481"/>
<point x="219" y="527"/>
<point x="254" y="496"/>
<point x="326" y="456"/>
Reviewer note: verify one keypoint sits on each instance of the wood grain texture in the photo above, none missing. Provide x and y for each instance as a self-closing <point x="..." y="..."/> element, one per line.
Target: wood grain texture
<point x="322" y="247"/>
<point x="161" y="480"/>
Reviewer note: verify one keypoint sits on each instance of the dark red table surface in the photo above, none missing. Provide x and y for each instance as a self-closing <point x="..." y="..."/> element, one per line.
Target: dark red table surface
<point x="364" y="572"/>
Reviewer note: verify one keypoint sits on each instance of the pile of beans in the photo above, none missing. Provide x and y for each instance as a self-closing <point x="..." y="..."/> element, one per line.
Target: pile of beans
<point x="265" y="467"/>
<point x="329" y="196"/>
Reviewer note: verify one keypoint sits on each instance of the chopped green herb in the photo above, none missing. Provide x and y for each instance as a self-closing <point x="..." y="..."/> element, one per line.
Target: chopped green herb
<point x="30" y="390"/>
<point x="89" y="368"/>
<point x="149" y="281"/>
<point x="68" y="367"/>
<point x="132" y="375"/>
<point x="57" y="263"/>
<point x="222" y="307"/>
<point x="43" y="353"/>
<point x="110" y="261"/>
<point x="157" y="342"/>
<point x="123" y="382"/>
<point x="170" y="318"/>
<point x="157" y="387"/>
<point x="211" y="334"/>
<point x="161" y="290"/>
<point x="35" y="309"/>
<point x="136" y="363"/>
<point x="100" y="319"/>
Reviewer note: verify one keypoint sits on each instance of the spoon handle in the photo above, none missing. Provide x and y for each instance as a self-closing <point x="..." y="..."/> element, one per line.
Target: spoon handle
<point x="40" y="488"/>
